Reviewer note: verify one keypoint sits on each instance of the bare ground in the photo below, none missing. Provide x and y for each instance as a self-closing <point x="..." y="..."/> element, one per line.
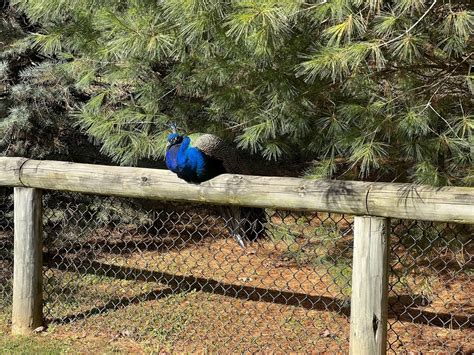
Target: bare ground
<point x="206" y="294"/>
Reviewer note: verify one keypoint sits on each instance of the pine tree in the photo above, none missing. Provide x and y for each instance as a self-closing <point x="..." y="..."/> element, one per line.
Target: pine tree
<point x="369" y="89"/>
<point x="35" y="101"/>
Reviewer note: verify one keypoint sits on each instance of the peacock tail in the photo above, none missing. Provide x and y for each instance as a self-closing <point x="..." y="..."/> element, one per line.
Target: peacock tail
<point x="217" y="148"/>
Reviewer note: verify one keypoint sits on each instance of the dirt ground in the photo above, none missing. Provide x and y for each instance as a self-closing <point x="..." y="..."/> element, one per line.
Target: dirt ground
<point x="123" y="290"/>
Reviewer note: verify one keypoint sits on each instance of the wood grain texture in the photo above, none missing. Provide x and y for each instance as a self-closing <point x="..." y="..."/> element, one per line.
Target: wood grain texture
<point x="27" y="261"/>
<point x="369" y="299"/>
<point x="353" y="197"/>
<point x="454" y="204"/>
<point x="10" y="171"/>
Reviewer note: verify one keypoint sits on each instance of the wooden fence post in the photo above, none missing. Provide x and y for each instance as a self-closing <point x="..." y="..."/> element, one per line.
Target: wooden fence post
<point x="369" y="300"/>
<point x="27" y="313"/>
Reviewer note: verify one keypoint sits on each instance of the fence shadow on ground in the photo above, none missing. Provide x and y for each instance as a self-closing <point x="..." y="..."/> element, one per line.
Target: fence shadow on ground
<point x="401" y="307"/>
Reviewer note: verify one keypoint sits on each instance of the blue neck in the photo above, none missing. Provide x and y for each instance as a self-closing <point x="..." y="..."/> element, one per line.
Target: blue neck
<point x="191" y="164"/>
<point x="182" y="150"/>
<point x="184" y="144"/>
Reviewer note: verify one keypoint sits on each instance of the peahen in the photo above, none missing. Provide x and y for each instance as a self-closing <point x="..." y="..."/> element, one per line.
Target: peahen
<point x="204" y="159"/>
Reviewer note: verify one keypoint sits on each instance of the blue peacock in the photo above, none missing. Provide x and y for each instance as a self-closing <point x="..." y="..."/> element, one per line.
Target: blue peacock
<point x="205" y="158"/>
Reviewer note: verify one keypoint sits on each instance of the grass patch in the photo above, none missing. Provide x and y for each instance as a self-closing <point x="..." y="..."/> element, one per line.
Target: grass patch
<point x="68" y="293"/>
<point x="321" y="247"/>
<point x="32" y="345"/>
<point x="170" y="321"/>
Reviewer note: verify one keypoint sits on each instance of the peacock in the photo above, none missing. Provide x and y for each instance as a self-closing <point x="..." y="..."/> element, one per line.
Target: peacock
<point x="205" y="158"/>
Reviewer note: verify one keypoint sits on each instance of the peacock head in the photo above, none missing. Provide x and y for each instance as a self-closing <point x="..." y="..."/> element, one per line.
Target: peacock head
<point x="174" y="138"/>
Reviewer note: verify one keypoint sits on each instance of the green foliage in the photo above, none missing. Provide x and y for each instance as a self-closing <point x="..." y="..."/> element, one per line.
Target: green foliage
<point x="373" y="90"/>
<point x="34" y="97"/>
<point x="30" y="345"/>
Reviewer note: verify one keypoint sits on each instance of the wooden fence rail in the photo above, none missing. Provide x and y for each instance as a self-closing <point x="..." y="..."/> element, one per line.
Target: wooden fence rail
<point x="371" y="203"/>
<point x="447" y="204"/>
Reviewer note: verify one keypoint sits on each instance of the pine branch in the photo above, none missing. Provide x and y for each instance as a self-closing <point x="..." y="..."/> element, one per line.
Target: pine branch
<point x="412" y="26"/>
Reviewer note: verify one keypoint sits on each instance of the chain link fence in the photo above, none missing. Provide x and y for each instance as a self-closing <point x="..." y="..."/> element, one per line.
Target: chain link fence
<point x="171" y="276"/>
<point x="6" y="251"/>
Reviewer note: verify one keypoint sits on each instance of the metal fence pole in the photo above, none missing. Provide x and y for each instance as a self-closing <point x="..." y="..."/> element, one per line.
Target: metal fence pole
<point x="27" y="263"/>
<point x="369" y="301"/>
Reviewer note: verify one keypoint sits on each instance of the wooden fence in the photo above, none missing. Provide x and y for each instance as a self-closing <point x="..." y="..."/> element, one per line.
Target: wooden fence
<point x="371" y="203"/>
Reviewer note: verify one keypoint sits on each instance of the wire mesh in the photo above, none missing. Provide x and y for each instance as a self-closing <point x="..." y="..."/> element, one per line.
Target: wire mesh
<point x="431" y="283"/>
<point x="6" y="246"/>
<point x="200" y="290"/>
<point x="172" y="277"/>
<point x="6" y="258"/>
